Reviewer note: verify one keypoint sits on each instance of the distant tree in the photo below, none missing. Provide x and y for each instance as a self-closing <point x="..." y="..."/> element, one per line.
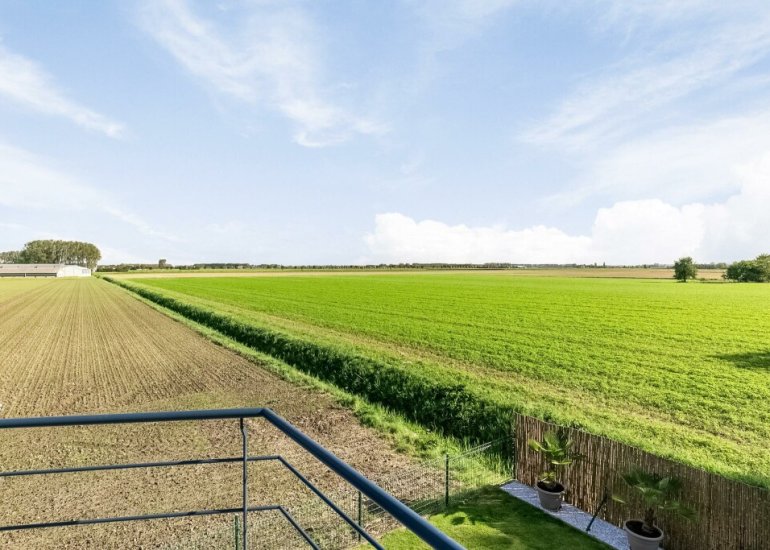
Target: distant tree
<point x="162" y="263"/>
<point x="684" y="268"/>
<point x="10" y="257"/>
<point x="763" y="261"/>
<point x="750" y="271"/>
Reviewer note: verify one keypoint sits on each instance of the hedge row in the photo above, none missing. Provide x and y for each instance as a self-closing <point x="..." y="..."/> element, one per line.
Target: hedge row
<point x="449" y="408"/>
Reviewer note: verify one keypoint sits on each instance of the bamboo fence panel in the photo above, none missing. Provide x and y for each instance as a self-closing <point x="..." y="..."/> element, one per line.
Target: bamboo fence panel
<point x="731" y="514"/>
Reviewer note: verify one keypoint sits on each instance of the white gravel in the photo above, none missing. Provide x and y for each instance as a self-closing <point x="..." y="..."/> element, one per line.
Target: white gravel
<point x="609" y="534"/>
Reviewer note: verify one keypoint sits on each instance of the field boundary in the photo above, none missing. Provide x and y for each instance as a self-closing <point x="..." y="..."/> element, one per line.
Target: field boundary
<point x="731" y="515"/>
<point x="450" y="409"/>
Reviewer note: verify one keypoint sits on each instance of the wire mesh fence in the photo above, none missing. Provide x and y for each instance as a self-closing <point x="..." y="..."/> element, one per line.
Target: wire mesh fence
<point x="427" y="487"/>
<point x="432" y="486"/>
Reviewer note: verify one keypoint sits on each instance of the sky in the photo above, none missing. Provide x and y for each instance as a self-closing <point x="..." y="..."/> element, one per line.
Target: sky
<point x="353" y="132"/>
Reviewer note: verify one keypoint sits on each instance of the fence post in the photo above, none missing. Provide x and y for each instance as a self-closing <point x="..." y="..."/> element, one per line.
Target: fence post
<point x="446" y="481"/>
<point x="237" y="533"/>
<point x="514" y="447"/>
<point x="360" y="513"/>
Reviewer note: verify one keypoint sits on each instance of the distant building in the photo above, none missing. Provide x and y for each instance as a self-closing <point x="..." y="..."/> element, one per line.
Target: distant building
<point x="43" y="270"/>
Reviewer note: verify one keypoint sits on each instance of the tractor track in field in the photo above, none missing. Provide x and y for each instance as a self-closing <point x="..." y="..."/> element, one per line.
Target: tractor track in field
<point x="85" y="346"/>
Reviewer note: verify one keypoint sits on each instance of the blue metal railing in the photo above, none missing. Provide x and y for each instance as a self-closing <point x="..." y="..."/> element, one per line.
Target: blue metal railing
<point x="402" y="513"/>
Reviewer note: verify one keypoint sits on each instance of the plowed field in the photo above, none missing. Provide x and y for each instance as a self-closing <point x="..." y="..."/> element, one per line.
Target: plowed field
<point x="85" y="346"/>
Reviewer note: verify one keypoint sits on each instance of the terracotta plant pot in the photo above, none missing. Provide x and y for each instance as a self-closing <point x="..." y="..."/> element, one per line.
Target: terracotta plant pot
<point x="638" y="540"/>
<point x="550" y="498"/>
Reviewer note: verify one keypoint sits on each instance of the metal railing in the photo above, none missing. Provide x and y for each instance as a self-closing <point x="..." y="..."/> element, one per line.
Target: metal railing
<point x="402" y="513"/>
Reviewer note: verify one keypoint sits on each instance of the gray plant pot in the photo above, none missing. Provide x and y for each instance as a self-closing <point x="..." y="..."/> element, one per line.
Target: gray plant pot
<point x="638" y="541"/>
<point x="550" y="500"/>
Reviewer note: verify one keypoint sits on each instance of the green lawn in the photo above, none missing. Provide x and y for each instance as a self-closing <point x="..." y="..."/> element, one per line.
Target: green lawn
<point x="492" y="519"/>
<point x="682" y="370"/>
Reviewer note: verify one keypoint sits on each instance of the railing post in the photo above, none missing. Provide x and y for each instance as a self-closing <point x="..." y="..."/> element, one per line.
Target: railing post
<point x="446" y="481"/>
<point x="360" y="512"/>
<point x="245" y="478"/>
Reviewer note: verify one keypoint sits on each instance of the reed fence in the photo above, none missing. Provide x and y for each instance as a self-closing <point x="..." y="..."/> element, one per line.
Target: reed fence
<point x="731" y="514"/>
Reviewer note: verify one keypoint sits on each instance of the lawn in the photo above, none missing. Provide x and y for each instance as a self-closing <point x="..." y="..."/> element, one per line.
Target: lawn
<point x="682" y="370"/>
<point x="492" y="519"/>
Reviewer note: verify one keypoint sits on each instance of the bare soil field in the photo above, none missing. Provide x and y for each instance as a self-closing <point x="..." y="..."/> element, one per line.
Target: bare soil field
<point x="85" y="346"/>
<point x="596" y="272"/>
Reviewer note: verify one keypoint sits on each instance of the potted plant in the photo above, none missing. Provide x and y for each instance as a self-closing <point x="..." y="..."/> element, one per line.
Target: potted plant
<point x="556" y="448"/>
<point x="658" y="494"/>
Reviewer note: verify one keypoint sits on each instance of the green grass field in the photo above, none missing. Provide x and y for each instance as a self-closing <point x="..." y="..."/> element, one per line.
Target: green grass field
<point x="682" y="370"/>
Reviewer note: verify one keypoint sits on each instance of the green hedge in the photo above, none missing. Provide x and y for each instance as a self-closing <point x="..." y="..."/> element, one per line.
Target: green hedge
<point x="448" y="408"/>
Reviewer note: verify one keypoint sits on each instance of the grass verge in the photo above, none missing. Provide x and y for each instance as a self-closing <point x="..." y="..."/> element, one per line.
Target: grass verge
<point x="491" y="519"/>
<point x="438" y="405"/>
<point x="406" y="436"/>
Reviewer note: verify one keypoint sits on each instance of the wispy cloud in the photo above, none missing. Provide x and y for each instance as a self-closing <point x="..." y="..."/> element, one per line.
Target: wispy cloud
<point x="460" y="18"/>
<point x="269" y="56"/>
<point x="610" y="106"/>
<point x="24" y="82"/>
<point x="680" y="164"/>
<point x="27" y="183"/>
<point x="446" y="25"/>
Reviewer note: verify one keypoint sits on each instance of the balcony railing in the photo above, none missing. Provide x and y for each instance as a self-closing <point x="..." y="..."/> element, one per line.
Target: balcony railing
<point x="399" y="511"/>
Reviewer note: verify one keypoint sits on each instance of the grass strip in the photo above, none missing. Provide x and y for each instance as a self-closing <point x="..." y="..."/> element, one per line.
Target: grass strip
<point x="448" y="408"/>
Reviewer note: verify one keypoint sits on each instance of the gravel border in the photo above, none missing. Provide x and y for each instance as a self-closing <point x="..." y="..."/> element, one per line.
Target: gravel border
<point x="609" y="534"/>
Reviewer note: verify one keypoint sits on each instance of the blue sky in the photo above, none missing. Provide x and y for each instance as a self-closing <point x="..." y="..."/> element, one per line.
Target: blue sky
<point x="349" y="132"/>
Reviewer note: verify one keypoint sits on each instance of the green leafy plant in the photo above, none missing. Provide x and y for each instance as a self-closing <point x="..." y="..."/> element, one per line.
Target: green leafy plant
<point x="659" y="494"/>
<point x="556" y="448"/>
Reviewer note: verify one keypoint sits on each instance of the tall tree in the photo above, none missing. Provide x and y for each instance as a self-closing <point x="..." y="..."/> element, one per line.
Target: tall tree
<point x="763" y="261"/>
<point x="684" y="269"/>
<point x="60" y="252"/>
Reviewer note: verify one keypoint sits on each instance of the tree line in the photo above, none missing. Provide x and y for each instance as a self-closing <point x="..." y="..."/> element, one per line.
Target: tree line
<point x="743" y="271"/>
<point x="54" y="252"/>
<point x="163" y="264"/>
<point x="752" y="271"/>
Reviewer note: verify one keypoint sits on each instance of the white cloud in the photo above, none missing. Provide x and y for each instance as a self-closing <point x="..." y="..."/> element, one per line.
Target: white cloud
<point x="628" y="232"/>
<point x="646" y="231"/>
<point x="28" y="184"/>
<point x="271" y="56"/>
<point x="24" y="82"/>
<point x="398" y="238"/>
